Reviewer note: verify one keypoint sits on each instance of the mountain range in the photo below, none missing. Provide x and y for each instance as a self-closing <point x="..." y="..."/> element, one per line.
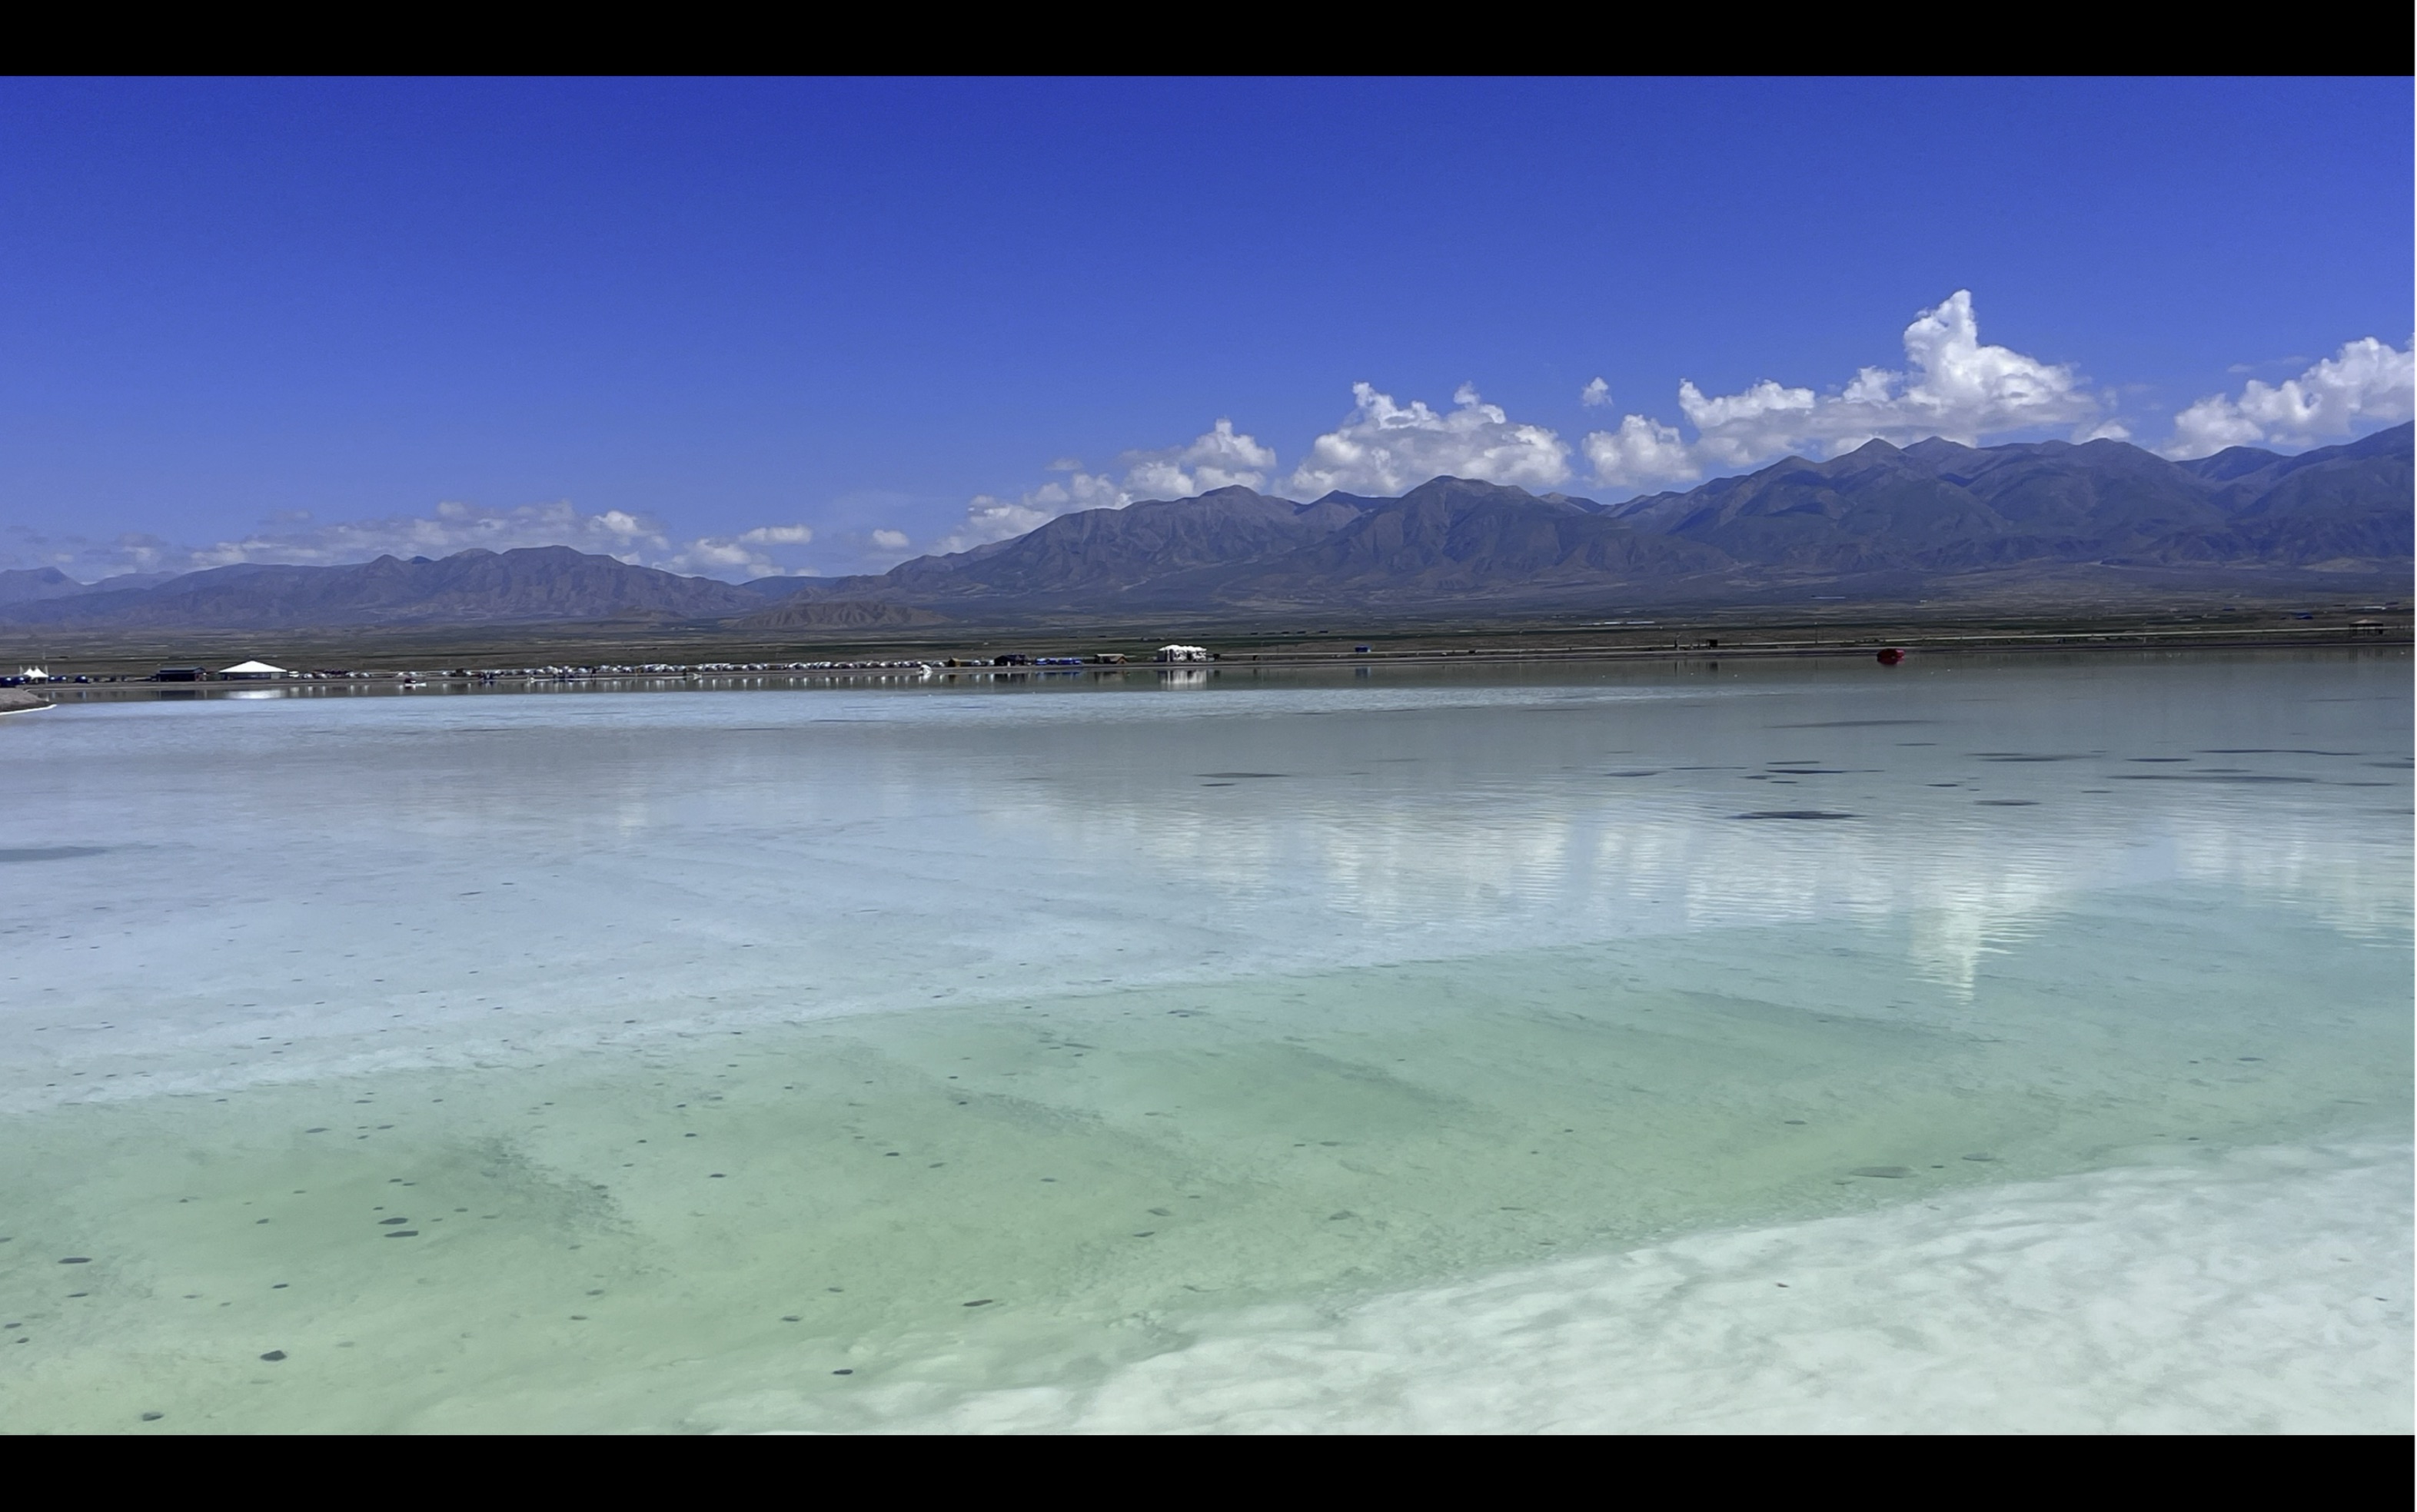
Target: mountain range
<point x="1881" y="521"/>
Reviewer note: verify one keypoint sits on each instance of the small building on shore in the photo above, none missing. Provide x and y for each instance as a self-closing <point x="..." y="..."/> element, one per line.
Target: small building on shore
<point x="251" y="671"/>
<point x="1182" y="653"/>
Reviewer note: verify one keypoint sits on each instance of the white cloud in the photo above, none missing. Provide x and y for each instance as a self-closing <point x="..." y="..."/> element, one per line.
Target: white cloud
<point x="890" y="540"/>
<point x="450" y="527"/>
<point x="747" y="554"/>
<point x="1384" y="448"/>
<point x="1216" y="458"/>
<point x="1594" y="394"/>
<point x="989" y="518"/>
<point x="2365" y="381"/>
<point x="1954" y="386"/>
<point x="1219" y="457"/>
<point x="1639" y="454"/>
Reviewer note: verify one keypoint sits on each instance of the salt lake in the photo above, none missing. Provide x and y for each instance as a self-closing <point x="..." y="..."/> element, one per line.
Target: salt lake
<point x="1974" y="1044"/>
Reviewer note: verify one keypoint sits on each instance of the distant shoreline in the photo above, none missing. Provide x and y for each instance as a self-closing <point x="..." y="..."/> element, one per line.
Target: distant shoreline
<point x="1611" y="633"/>
<point x="896" y="671"/>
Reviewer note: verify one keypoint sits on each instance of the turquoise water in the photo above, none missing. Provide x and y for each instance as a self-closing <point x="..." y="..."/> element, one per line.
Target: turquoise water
<point x="1138" y="1053"/>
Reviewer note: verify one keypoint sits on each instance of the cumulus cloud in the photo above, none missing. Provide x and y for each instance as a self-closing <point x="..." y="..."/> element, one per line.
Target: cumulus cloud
<point x="1219" y="457"/>
<point x="1639" y="454"/>
<point x="2366" y="380"/>
<point x="1380" y="447"/>
<point x="297" y="540"/>
<point x="1384" y="448"/>
<point x="1216" y="458"/>
<point x="1595" y="394"/>
<point x="747" y="555"/>
<point x="1954" y="386"/>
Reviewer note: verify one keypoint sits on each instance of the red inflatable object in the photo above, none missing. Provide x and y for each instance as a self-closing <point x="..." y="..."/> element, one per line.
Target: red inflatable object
<point x="1890" y="655"/>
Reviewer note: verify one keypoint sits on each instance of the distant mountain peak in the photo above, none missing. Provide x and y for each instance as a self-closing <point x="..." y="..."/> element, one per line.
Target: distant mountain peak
<point x="1877" y="520"/>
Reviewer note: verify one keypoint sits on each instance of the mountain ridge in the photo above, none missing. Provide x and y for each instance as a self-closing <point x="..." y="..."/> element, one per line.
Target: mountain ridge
<point x="1880" y="516"/>
<point x="531" y="584"/>
<point x="1880" y="520"/>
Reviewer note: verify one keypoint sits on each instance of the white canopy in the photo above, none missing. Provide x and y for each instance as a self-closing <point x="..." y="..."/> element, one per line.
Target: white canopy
<point x="256" y="668"/>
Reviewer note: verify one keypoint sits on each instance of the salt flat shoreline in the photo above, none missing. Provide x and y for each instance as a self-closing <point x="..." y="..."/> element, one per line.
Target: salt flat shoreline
<point x="1640" y="635"/>
<point x="1235" y="666"/>
<point x="2251" y="1291"/>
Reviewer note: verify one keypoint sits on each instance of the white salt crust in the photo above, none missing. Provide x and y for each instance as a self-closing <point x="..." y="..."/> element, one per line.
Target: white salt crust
<point x="2264" y="1291"/>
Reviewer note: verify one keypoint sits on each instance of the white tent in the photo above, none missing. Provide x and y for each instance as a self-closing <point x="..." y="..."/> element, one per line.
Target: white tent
<point x="252" y="669"/>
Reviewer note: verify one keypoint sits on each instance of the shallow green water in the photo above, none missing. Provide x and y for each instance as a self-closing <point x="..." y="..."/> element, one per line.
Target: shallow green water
<point x="1025" y="1122"/>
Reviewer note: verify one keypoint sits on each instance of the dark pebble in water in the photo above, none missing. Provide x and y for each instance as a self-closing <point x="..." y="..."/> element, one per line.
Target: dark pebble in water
<point x="279" y="1286"/>
<point x="788" y="1317"/>
<point x="1886" y="1172"/>
<point x="77" y="1259"/>
<point x="1797" y="1121"/>
<point x="2007" y="803"/>
<point x="1331" y="1217"/>
<point x="314" y="1131"/>
<point x="1983" y="1157"/>
<point x="391" y="1222"/>
<point x="981" y="1301"/>
<point x="714" y="1175"/>
<point x="1162" y="1212"/>
<point x="842" y="1372"/>
<point x="1145" y="1233"/>
<point x="152" y="1417"/>
<point x="400" y="1233"/>
<point x="2252" y="1057"/>
<point x="1794" y="813"/>
<point x="273" y="1355"/>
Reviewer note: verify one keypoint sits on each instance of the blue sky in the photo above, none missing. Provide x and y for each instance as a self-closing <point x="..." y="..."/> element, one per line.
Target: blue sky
<point x="291" y="320"/>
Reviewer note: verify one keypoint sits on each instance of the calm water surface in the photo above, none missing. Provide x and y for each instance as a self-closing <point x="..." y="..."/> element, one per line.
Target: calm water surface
<point x="1977" y="1043"/>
